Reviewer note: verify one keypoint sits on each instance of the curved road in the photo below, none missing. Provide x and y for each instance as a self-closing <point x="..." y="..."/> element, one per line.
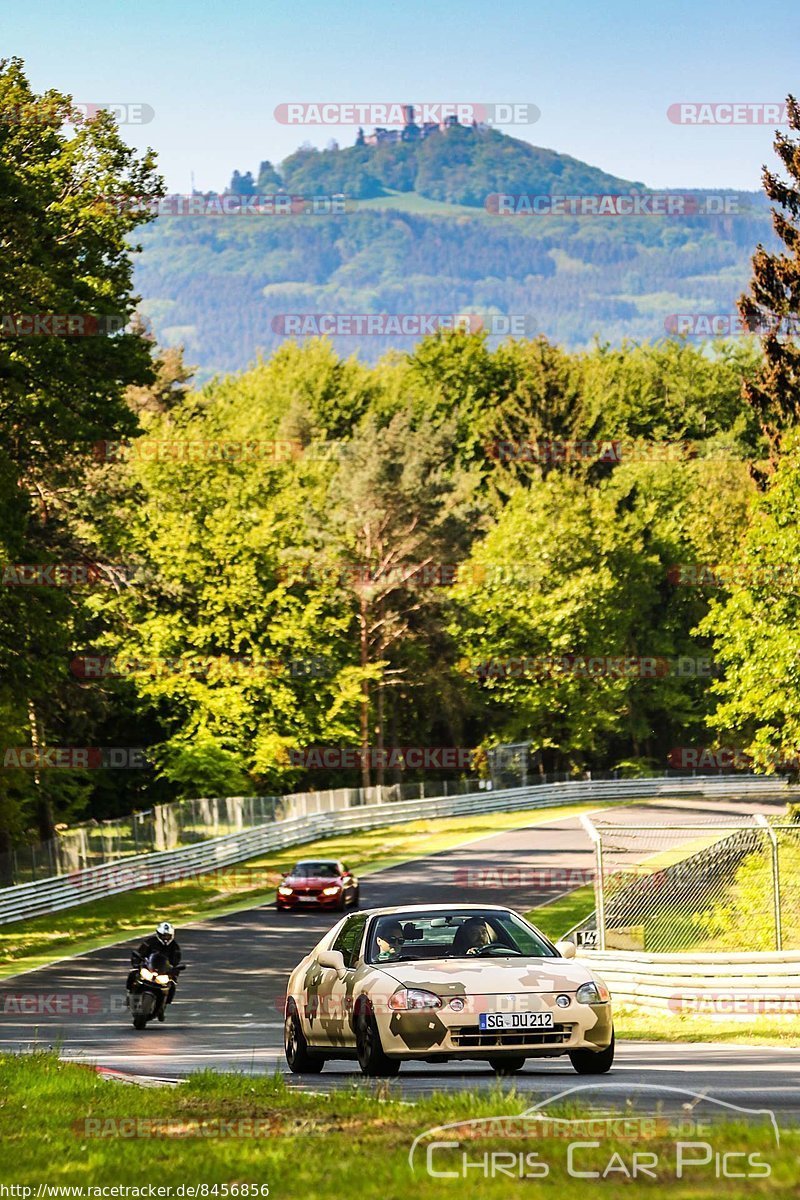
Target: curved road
<point x="228" y="1011"/>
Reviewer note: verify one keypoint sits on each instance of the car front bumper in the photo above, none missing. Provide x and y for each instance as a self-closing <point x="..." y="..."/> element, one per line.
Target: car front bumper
<point x="428" y="1033"/>
<point x="308" y="900"/>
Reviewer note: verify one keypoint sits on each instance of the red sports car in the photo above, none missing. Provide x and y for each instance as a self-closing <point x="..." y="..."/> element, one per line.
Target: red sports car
<point x="324" y="882"/>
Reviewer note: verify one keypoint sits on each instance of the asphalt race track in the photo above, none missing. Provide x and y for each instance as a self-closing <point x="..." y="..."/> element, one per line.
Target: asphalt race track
<point x="228" y="1012"/>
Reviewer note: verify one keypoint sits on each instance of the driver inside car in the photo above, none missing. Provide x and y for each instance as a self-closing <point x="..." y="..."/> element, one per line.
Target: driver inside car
<point x="472" y="936"/>
<point x="390" y="940"/>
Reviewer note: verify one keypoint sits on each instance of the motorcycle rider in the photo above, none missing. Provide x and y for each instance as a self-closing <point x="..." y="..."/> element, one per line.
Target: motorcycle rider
<point x="162" y="941"/>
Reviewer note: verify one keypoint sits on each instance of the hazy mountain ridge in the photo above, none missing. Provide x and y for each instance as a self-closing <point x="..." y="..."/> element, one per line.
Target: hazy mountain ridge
<point x="218" y="284"/>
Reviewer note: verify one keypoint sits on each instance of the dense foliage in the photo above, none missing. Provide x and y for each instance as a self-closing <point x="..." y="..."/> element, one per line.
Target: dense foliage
<point x="427" y="551"/>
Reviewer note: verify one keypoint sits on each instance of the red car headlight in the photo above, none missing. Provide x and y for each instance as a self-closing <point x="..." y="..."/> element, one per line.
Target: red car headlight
<point x="407" y="998"/>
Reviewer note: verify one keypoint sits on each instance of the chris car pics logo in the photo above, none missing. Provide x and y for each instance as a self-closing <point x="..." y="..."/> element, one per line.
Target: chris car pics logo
<point x="685" y="1136"/>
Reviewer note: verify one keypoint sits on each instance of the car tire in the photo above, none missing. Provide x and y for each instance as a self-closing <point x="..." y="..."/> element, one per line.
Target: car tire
<point x="507" y="1065"/>
<point x="139" y="1022"/>
<point x="369" y="1050"/>
<point x="593" y="1062"/>
<point x="356" y="898"/>
<point x="301" y="1060"/>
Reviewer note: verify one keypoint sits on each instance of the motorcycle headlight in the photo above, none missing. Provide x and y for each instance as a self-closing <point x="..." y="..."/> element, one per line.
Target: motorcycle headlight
<point x="594" y="992"/>
<point x="406" y="998"/>
<point x="162" y="979"/>
<point x="145" y="973"/>
<point x="331" y="891"/>
<point x="285" y="890"/>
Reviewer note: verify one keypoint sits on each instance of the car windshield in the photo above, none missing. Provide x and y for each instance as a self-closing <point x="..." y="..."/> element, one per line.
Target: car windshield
<point x="319" y="870"/>
<point x="458" y="934"/>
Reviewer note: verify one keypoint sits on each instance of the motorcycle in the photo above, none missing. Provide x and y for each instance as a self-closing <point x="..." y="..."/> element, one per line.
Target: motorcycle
<point x="150" y="987"/>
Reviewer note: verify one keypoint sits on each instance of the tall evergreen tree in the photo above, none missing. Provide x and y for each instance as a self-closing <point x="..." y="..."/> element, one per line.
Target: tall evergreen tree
<point x="772" y="304"/>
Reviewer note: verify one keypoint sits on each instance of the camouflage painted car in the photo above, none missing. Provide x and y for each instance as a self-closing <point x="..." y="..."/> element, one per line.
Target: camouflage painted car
<point x="436" y="983"/>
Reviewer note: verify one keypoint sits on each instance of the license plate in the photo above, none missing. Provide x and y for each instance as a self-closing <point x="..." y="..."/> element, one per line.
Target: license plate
<point x="523" y="1020"/>
<point x="307" y="899"/>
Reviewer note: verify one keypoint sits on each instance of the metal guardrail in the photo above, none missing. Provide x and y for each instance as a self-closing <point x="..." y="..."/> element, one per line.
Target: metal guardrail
<point x="67" y="891"/>
<point x="716" y="985"/>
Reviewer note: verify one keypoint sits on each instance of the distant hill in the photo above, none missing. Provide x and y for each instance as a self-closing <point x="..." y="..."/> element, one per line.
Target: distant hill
<point x="461" y="165"/>
<point x="421" y="241"/>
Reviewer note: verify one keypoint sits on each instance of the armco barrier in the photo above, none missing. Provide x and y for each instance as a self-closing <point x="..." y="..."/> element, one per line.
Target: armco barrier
<point x="67" y="891"/>
<point x="714" y="985"/>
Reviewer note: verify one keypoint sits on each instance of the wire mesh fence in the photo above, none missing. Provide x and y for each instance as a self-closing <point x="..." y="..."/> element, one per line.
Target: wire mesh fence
<point x="702" y="885"/>
<point x="186" y="822"/>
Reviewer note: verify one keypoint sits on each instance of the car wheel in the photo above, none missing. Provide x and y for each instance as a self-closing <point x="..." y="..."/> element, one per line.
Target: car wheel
<point x="301" y="1060"/>
<point x="371" y="1057"/>
<point x="508" y="1065"/>
<point x="593" y="1062"/>
<point x="356" y="898"/>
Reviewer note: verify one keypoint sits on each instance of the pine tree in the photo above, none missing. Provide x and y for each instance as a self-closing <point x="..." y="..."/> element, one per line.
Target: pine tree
<point x="771" y="306"/>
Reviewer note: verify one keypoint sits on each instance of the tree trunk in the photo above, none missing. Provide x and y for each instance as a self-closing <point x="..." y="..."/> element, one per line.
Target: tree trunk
<point x="45" y="826"/>
<point x="364" y="716"/>
<point x="379" y="706"/>
<point x="6" y="860"/>
<point x="381" y="770"/>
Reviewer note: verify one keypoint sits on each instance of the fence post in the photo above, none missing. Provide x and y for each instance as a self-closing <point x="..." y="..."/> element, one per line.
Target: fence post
<point x="599" y="897"/>
<point x="776" y="878"/>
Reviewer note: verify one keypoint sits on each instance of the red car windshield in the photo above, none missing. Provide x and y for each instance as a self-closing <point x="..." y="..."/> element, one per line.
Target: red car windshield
<point x="315" y="870"/>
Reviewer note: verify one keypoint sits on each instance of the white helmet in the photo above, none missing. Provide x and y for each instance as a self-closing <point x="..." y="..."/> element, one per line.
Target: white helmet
<point x="165" y="932"/>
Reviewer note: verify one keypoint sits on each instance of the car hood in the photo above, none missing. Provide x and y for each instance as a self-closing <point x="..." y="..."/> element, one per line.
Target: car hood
<point x="488" y="976"/>
<point x="311" y="880"/>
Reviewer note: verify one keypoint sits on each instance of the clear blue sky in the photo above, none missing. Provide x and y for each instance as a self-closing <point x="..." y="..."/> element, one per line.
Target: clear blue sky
<point x="603" y="74"/>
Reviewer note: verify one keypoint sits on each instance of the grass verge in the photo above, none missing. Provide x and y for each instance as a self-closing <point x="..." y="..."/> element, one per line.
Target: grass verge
<point x="559" y="916"/>
<point x="61" y="1125"/>
<point x="28" y="944"/>
<point x="635" y="1025"/>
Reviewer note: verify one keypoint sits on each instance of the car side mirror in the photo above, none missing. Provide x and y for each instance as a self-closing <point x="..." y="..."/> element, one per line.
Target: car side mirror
<point x="566" y="949"/>
<point x="333" y="960"/>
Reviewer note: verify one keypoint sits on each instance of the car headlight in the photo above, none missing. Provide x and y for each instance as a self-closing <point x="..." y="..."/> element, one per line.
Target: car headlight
<point x="162" y="979"/>
<point x="146" y="973"/>
<point x="406" y="998"/>
<point x="331" y="891"/>
<point x="285" y="890"/>
<point x="593" y="992"/>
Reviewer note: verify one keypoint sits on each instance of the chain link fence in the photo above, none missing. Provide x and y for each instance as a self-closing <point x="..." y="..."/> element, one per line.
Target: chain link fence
<point x="699" y="886"/>
<point x="186" y="822"/>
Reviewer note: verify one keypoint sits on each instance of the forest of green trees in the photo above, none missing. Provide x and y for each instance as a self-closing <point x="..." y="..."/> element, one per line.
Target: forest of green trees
<point x="318" y="552"/>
